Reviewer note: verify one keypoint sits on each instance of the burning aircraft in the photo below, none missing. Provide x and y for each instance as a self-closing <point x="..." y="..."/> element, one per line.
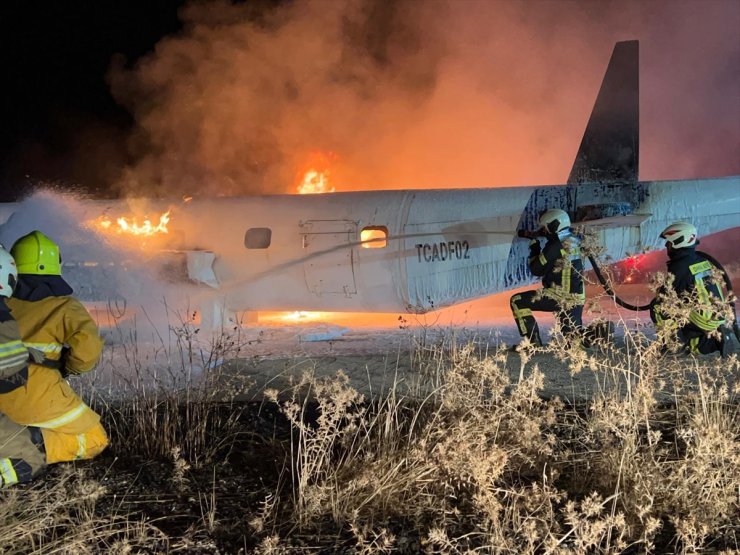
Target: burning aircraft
<point x="408" y="250"/>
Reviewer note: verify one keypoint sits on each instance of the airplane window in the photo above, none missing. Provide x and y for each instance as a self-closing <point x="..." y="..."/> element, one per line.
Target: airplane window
<point x="258" y="238"/>
<point x="374" y="237"/>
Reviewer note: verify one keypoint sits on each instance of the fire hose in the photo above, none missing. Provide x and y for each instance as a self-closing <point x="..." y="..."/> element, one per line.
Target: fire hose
<point x="605" y="284"/>
<point x="639" y="308"/>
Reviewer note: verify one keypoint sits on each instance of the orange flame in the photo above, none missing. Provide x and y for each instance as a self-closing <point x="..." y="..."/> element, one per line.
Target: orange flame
<point x="315" y="178"/>
<point x="315" y="182"/>
<point x="131" y="226"/>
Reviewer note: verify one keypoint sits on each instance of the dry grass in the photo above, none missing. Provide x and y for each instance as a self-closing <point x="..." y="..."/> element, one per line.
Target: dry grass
<point x="483" y="464"/>
<point x="467" y="462"/>
<point x="60" y="515"/>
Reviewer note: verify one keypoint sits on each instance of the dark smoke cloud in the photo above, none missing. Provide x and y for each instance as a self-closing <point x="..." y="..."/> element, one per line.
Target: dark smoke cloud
<point x="423" y="93"/>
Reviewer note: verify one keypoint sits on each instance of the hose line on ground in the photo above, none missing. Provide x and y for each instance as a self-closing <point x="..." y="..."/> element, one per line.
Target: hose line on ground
<point x="638" y="308"/>
<point x="610" y="291"/>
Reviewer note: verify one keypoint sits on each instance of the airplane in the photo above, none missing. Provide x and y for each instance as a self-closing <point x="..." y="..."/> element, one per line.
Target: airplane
<point x="414" y="251"/>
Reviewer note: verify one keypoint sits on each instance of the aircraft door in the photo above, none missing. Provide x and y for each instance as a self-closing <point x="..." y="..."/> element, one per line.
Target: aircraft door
<point x="329" y="258"/>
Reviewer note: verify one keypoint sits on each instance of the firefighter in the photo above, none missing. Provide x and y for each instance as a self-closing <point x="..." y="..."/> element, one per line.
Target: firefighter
<point x="50" y="320"/>
<point x="704" y="332"/>
<point x="21" y="447"/>
<point x="561" y="267"/>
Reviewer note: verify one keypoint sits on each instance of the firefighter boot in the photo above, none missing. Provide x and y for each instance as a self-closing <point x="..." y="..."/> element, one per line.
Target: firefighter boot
<point x="726" y="347"/>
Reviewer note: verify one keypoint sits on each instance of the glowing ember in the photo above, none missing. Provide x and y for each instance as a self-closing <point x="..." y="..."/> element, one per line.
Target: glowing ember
<point x="633" y="268"/>
<point x="131" y="226"/>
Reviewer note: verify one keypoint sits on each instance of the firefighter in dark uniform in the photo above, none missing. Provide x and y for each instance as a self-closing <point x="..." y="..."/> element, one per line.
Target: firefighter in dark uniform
<point x="561" y="267"/>
<point x="705" y="331"/>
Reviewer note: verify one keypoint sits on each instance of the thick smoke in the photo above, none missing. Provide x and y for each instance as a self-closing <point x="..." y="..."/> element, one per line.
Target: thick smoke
<point x="423" y="94"/>
<point x="120" y="279"/>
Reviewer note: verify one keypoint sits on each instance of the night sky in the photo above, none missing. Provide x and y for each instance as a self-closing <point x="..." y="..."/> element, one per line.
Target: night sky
<point x="212" y="97"/>
<point x="60" y="123"/>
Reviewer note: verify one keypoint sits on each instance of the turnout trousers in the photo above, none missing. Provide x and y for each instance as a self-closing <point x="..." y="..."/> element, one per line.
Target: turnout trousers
<point x="695" y="340"/>
<point x="21" y="452"/>
<point x="523" y="304"/>
<point x="71" y="430"/>
<point x="698" y="342"/>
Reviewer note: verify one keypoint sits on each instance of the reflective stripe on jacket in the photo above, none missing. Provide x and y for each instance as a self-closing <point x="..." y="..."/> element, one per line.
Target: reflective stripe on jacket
<point x="560" y="264"/>
<point x="693" y="272"/>
<point x="13" y="353"/>
<point x="48" y="402"/>
<point x="52" y="322"/>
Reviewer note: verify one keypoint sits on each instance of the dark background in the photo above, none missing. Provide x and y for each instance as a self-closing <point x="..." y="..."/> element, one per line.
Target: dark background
<point x="60" y="124"/>
<point x="57" y="110"/>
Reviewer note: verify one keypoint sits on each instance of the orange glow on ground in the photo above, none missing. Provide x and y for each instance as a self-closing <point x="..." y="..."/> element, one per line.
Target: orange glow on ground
<point x="492" y="311"/>
<point x="296" y="317"/>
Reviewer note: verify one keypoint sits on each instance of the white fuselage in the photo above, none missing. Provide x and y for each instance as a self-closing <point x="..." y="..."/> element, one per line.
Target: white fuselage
<point x="442" y="246"/>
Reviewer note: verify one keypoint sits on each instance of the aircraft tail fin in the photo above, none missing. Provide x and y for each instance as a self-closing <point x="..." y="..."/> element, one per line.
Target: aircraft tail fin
<point x="610" y="148"/>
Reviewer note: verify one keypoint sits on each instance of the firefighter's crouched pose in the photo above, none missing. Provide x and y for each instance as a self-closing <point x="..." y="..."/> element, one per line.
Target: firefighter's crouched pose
<point x="705" y="331"/>
<point x="21" y="447"/>
<point x="561" y="267"/>
<point x="51" y="321"/>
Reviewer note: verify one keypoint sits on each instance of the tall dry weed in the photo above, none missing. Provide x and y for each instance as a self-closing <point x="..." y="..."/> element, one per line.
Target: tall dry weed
<point x="479" y="462"/>
<point x="179" y="397"/>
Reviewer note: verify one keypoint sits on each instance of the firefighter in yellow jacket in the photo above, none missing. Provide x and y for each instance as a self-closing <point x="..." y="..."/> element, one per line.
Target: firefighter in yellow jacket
<point x="21" y="447"/>
<point x="55" y="323"/>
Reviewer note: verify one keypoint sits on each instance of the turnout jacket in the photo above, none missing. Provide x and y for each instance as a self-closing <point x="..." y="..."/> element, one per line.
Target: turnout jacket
<point x="13" y="353"/>
<point x="559" y="264"/>
<point x="52" y="321"/>
<point x="693" y="272"/>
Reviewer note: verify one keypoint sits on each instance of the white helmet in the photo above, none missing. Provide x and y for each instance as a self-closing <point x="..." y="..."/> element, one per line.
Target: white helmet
<point x="680" y="235"/>
<point x="554" y="220"/>
<point x="8" y="273"/>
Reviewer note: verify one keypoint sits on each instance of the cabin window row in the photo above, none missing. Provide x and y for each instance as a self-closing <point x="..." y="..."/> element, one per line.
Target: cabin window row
<point x="371" y="237"/>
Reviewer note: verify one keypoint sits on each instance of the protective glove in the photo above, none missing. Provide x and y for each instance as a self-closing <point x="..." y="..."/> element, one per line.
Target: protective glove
<point x="35" y="356"/>
<point x="526" y="234"/>
<point x="534" y="247"/>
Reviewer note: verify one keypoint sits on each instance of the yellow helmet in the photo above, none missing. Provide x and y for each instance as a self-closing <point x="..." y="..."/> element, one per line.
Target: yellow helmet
<point x="36" y="254"/>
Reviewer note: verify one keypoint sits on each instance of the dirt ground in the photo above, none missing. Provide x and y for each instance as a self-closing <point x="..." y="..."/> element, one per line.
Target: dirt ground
<point x="374" y="350"/>
<point x="374" y="374"/>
